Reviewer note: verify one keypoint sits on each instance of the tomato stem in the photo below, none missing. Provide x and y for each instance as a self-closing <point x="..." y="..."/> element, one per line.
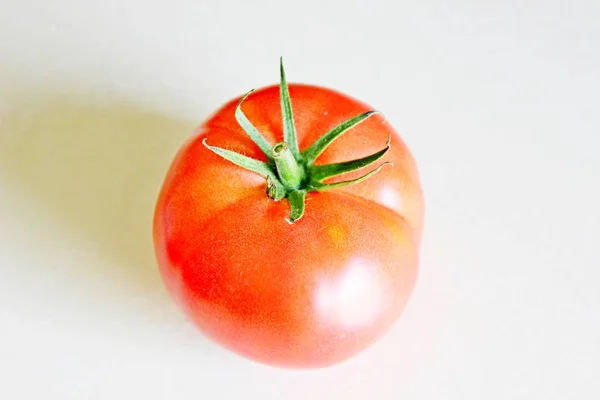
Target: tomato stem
<point x="291" y="174"/>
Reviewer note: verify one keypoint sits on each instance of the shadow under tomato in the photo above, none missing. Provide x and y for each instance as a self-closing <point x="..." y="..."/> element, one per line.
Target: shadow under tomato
<point x="95" y="168"/>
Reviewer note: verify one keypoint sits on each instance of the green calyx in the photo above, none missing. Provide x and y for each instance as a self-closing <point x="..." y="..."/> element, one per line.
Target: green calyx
<point x="289" y="172"/>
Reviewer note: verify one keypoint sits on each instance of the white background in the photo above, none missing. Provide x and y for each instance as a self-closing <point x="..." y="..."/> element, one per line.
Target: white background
<point x="498" y="100"/>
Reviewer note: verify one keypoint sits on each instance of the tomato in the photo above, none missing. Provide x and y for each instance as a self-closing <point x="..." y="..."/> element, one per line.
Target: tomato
<point x="284" y="270"/>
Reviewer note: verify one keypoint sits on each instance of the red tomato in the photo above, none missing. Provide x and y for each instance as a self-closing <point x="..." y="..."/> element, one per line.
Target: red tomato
<point x="306" y="294"/>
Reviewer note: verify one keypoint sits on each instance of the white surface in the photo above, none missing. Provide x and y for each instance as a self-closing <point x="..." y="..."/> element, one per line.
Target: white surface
<point x="499" y="101"/>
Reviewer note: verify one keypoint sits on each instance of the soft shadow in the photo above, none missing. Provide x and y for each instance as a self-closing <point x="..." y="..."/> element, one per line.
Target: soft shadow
<point x="97" y="166"/>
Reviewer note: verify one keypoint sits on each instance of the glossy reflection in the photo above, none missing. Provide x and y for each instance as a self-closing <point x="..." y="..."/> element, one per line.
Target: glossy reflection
<point x="353" y="299"/>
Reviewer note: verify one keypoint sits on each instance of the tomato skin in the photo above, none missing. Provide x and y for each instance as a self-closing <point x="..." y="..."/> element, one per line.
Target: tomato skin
<point x="308" y="294"/>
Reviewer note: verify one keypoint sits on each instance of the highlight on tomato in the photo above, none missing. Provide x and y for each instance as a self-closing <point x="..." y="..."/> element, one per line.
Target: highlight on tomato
<point x="291" y="235"/>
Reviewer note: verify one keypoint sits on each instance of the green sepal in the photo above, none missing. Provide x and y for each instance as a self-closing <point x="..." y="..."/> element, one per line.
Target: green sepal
<point x="297" y="200"/>
<point x="274" y="190"/>
<point x="260" y="167"/>
<point x="326" y="186"/>
<point x="321" y="172"/>
<point x="250" y="130"/>
<point x="315" y="150"/>
<point x="289" y="128"/>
